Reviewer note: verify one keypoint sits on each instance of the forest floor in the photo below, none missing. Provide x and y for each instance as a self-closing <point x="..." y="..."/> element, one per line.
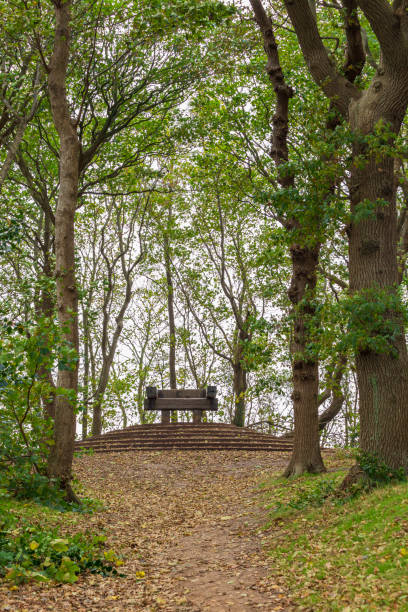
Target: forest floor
<point x="212" y="531"/>
<point x="188" y="525"/>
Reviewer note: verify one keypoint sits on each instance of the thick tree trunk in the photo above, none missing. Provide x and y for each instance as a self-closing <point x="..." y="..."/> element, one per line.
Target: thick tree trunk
<point x="61" y="455"/>
<point x="306" y="455"/>
<point x="382" y="374"/>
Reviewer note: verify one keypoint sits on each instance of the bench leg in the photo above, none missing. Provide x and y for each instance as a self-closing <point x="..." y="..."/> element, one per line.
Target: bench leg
<point x="196" y="417"/>
<point x="165" y="417"/>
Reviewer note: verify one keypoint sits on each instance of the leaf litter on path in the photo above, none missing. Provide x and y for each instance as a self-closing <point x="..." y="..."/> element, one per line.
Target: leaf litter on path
<point x="186" y="524"/>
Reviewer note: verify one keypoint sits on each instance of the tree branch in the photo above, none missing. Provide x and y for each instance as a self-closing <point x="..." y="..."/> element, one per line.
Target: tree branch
<point x="336" y="87"/>
<point x="386" y="25"/>
<point x="355" y="54"/>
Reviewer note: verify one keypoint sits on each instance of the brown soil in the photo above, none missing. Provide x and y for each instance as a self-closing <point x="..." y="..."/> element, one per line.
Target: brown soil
<point x="189" y="520"/>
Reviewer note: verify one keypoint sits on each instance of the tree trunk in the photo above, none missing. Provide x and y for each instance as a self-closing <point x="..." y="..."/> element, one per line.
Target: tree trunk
<point x="331" y="411"/>
<point x="97" y="416"/>
<point x="61" y="455"/>
<point x="123" y="411"/>
<point x="336" y="394"/>
<point x="239" y="385"/>
<point x="108" y="355"/>
<point x="46" y="306"/>
<point x="85" y="399"/>
<point x="172" y="324"/>
<point x="382" y="374"/>
<point x="306" y="455"/>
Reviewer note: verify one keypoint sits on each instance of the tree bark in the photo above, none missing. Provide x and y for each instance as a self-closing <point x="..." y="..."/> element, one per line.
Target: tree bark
<point x="331" y="411"/>
<point x="306" y="455"/>
<point x="61" y="455"/>
<point x="239" y="383"/>
<point x="45" y="307"/>
<point x="337" y="396"/>
<point x="85" y="398"/>
<point x="373" y="261"/>
<point x="170" y="313"/>
<point x="382" y="374"/>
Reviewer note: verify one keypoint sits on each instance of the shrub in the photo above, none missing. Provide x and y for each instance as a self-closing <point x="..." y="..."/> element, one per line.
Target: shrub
<point x="376" y="470"/>
<point x="28" y="552"/>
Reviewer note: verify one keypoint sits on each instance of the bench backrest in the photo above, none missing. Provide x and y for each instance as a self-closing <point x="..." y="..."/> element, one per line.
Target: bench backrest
<point x="167" y="400"/>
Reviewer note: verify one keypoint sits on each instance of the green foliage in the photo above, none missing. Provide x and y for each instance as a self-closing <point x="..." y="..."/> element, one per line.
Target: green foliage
<point x="28" y="552"/>
<point x="375" y="321"/>
<point x="175" y="15"/>
<point x="24" y="484"/>
<point x="367" y="210"/>
<point x="377" y="471"/>
<point x="10" y="231"/>
<point x="27" y="350"/>
<point x="381" y="143"/>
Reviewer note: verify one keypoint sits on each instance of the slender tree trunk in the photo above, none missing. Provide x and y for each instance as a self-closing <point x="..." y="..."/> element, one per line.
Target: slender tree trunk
<point x="240" y="387"/>
<point x="140" y="396"/>
<point x="61" y="455"/>
<point x="172" y="324"/>
<point x="46" y="308"/>
<point x="170" y="312"/>
<point x="331" y="411"/>
<point x="108" y="357"/>
<point x="239" y="384"/>
<point x="85" y="399"/>
<point x="306" y="455"/>
<point x="123" y="411"/>
<point x="382" y="374"/>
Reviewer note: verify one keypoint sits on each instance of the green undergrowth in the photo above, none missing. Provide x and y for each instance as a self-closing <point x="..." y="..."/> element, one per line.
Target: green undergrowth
<point x="336" y="553"/>
<point x="41" y="543"/>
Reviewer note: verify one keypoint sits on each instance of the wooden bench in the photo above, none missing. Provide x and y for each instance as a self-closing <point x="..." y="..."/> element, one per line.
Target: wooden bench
<point x="166" y="400"/>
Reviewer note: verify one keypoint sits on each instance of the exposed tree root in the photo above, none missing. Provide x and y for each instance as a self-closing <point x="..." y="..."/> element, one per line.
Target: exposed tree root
<point x="69" y="494"/>
<point x="298" y="467"/>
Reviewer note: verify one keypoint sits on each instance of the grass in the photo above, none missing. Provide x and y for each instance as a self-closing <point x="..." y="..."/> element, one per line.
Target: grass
<point x="34" y="513"/>
<point x="339" y="555"/>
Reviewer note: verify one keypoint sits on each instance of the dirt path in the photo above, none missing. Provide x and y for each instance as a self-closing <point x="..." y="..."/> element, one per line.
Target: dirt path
<point x="187" y="525"/>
